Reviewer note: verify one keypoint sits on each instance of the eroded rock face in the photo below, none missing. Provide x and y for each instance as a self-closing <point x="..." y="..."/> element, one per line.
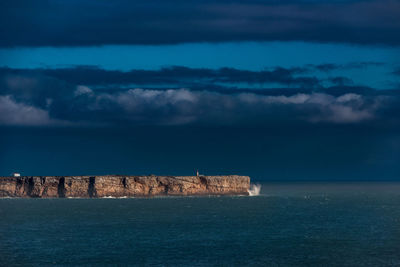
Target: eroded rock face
<point x="122" y="186"/>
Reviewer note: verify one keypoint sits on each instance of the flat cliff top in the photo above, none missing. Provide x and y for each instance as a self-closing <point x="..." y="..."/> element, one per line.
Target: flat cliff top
<point x="123" y="175"/>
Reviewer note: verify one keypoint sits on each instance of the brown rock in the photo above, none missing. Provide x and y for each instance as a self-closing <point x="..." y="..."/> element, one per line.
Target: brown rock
<point x="122" y="186"/>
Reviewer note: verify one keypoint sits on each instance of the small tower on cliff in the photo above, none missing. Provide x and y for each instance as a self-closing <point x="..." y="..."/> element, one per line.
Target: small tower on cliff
<point x="197" y="173"/>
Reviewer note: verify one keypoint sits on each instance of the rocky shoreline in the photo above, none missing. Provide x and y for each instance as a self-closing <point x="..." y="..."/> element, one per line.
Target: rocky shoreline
<point x="121" y="186"/>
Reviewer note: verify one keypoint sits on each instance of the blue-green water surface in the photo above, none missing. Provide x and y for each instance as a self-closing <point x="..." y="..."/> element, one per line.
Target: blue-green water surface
<point x="298" y="224"/>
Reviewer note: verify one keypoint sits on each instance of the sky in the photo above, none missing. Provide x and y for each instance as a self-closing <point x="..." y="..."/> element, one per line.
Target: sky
<point x="283" y="91"/>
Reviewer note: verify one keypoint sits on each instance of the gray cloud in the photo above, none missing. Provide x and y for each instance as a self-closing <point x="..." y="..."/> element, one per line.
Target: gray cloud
<point x="20" y="114"/>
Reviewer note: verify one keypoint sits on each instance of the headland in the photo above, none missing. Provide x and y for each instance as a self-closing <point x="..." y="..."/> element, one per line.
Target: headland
<point x="121" y="186"/>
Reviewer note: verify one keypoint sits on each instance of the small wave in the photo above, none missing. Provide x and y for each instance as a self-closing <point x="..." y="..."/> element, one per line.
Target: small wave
<point x="254" y="190"/>
<point x="114" y="197"/>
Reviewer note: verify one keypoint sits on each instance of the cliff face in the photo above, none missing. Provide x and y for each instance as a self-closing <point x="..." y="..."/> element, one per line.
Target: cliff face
<point x="122" y="186"/>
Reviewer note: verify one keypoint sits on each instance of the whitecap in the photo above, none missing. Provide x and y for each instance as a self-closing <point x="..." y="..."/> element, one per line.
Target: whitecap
<point x="254" y="190"/>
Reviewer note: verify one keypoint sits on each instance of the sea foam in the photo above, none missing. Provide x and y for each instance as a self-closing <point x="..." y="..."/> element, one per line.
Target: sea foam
<point x="254" y="189"/>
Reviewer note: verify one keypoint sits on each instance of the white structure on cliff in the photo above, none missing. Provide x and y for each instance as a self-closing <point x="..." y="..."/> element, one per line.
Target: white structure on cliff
<point x="198" y="174"/>
<point x="16" y="174"/>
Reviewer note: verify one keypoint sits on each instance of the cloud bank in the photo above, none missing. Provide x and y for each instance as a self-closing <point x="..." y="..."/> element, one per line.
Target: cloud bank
<point x="34" y="99"/>
<point x="182" y="106"/>
<point x="86" y="23"/>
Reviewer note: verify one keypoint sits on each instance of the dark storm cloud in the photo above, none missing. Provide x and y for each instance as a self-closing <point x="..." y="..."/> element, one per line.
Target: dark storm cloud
<point x="82" y="23"/>
<point x="352" y="65"/>
<point x="342" y="81"/>
<point x="183" y="76"/>
<point x="33" y="97"/>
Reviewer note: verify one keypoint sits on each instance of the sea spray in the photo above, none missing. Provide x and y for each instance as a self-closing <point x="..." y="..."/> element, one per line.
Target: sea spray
<point x="254" y="189"/>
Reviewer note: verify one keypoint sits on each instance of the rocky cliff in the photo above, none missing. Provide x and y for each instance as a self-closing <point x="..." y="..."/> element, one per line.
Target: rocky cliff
<point x="121" y="186"/>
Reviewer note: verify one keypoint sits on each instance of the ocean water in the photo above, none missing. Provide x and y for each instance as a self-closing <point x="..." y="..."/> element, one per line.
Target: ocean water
<point x="292" y="224"/>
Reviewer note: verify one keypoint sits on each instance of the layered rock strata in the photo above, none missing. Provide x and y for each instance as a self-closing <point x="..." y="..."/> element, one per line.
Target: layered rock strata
<point x="121" y="186"/>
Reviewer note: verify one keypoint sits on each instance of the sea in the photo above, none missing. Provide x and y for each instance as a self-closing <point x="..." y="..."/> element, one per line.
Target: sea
<point x="286" y="224"/>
